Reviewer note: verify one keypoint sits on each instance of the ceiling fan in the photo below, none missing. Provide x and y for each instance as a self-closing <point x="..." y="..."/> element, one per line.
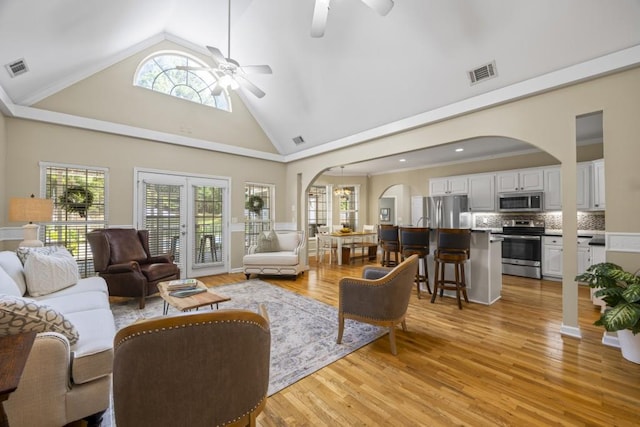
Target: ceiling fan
<point x="321" y="11"/>
<point x="228" y="72"/>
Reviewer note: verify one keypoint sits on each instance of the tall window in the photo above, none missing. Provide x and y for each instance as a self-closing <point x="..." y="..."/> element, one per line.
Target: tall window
<point x="317" y="209"/>
<point x="79" y="206"/>
<point x="258" y="211"/>
<point x="349" y="208"/>
<point x="160" y="73"/>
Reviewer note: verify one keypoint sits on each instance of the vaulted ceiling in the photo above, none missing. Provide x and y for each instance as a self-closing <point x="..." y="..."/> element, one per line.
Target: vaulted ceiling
<point x="369" y="75"/>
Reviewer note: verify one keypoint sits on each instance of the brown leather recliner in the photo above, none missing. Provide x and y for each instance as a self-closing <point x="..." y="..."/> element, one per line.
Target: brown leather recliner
<point x="121" y="256"/>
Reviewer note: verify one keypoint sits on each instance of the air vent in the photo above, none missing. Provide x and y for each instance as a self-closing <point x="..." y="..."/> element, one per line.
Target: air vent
<point x="16" y="68"/>
<point x="484" y="72"/>
<point x="298" y="140"/>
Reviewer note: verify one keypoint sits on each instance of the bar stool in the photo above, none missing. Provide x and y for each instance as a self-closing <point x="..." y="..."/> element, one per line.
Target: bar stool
<point x="389" y="241"/>
<point x="207" y="238"/>
<point x="415" y="240"/>
<point x="453" y="248"/>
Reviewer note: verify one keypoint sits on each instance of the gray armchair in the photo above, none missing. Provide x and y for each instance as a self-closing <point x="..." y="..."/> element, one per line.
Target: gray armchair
<point x="381" y="297"/>
<point x="192" y="369"/>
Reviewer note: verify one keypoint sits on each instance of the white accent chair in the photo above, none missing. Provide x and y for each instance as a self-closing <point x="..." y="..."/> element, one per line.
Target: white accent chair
<point x="287" y="260"/>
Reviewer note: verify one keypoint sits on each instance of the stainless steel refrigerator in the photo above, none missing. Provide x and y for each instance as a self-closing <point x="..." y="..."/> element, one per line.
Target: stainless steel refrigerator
<point x="449" y="212"/>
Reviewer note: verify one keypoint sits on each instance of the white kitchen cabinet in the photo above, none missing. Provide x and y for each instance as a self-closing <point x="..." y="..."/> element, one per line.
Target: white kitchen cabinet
<point x="552" y="189"/>
<point x="520" y="180"/>
<point x="598" y="185"/>
<point x="482" y="193"/>
<point x="449" y="185"/>
<point x="598" y="254"/>
<point x="583" y="186"/>
<point x="552" y="257"/>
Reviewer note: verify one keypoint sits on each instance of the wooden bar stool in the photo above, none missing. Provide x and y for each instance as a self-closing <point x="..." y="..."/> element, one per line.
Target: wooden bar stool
<point x="390" y="244"/>
<point x="415" y="240"/>
<point x="453" y="248"/>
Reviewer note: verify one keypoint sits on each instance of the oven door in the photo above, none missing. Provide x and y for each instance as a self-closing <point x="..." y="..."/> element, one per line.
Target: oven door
<point x="522" y="250"/>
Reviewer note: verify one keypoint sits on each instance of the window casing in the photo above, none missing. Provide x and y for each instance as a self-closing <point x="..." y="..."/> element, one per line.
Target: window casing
<point x="79" y="206"/>
<point x="318" y="208"/>
<point x="258" y="211"/>
<point x="348" y="207"/>
<point x="159" y="73"/>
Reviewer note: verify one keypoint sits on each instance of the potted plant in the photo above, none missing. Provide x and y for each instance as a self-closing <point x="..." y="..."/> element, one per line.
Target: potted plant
<point x="620" y="290"/>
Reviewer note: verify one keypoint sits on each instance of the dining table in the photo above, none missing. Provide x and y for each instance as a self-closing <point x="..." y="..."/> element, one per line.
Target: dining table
<point x="341" y="238"/>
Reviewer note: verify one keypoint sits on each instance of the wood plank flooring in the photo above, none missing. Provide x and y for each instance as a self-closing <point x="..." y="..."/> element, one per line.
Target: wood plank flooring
<point x="499" y="365"/>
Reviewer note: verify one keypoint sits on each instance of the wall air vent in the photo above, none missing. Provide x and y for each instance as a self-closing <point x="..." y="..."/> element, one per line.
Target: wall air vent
<point x="16" y="68"/>
<point x="298" y="140"/>
<point x="482" y="73"/>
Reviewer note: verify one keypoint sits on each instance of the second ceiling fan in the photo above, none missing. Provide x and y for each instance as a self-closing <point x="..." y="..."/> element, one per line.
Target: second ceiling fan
<point x="321" y="11"/>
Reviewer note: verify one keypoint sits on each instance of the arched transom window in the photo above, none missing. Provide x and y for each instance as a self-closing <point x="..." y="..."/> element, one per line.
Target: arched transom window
<point x="160" y="73"/>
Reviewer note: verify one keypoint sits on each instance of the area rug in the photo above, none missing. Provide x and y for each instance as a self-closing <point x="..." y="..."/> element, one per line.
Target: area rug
<point x="303" y="330"/>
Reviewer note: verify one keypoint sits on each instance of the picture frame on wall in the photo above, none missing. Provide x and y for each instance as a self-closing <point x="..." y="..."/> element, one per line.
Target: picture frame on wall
<point x="385" y="214"/>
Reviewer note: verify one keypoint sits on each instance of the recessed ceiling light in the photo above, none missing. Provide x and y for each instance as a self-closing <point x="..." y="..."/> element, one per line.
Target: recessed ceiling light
<point x="402" y="160"/>
<point x="459" y="150"/>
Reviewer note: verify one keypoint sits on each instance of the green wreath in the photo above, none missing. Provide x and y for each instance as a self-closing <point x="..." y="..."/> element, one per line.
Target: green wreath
<point x="254" y="204"/>
<point x="76" y="200"/>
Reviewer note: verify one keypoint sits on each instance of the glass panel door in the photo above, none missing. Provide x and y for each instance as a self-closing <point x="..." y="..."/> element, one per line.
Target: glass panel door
<point x="185" y="216"/>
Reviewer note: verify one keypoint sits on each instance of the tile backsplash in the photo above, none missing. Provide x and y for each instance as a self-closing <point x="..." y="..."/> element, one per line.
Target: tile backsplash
<point x="553" y="221"/>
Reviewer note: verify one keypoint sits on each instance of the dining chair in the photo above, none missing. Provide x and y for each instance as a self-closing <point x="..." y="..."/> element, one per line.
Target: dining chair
<point x="325" y="244"/>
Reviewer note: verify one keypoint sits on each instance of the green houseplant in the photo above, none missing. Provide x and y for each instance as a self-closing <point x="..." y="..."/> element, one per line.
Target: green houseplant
<point x="620" y="290"/>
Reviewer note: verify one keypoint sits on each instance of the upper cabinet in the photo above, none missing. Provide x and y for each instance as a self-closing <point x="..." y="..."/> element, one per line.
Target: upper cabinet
<point x="482" y="193"/>
<point x="583" y="186"/>
<point x="520" y="180"/>
<point x="450" y="185"/>
<point x="598" y="185"/>
<point x="552" y="189"/>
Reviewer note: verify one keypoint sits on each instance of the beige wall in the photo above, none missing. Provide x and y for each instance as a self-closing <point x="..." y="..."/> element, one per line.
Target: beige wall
<point x="3" y="173"/>
<point x="31" y="142"/>
<point x="546" y="121"/>
<point x="110" y="95"/>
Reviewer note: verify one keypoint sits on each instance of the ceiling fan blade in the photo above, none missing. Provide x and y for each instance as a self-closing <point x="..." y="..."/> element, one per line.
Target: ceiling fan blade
<point x="246" y="84"/>
<point x="218" y="57"/>
<point x="381" y="6"/>
<point x="256" y="69"/>
<point x="217" y="90"/>
<point x="319" y="21"/>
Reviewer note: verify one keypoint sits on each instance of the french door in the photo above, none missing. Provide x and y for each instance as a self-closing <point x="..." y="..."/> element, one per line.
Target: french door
<point x="186" y="216"/>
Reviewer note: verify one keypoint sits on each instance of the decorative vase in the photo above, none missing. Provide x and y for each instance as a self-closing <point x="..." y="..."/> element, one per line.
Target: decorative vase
<point x="630" y="345"/>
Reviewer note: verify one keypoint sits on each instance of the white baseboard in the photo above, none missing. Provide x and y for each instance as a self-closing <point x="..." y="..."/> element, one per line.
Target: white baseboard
<point x="610" y="339"/>
<point x="570" y="331"/>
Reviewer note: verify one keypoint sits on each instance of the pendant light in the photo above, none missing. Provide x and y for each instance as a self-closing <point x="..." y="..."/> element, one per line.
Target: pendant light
<point x="342" y="192"/>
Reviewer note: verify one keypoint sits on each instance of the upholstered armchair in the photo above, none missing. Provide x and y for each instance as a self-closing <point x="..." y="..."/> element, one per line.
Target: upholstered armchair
<point x="380" y="297"/>
<point x="121" y="256"/>
<point x="192" y="369"/>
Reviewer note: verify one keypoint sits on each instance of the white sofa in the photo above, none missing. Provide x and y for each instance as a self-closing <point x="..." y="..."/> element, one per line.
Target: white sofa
<point x="278" y="252"/>
<point x="62" y="382"/>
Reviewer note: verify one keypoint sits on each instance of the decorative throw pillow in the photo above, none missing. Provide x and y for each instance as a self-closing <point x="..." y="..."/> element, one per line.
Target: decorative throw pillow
<point x="18" y="315"/>
<point x="268" y="242"/>
<point x="45" y="274"/>
<point x="24" y="252"/>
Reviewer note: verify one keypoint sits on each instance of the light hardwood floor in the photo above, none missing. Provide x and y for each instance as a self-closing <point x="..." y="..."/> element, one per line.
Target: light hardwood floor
<point x="499" y="365"/>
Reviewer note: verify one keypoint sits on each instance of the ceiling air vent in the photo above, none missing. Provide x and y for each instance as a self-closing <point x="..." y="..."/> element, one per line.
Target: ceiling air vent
<point x="484" y="72"/>
<point x="16" y="68"/>
<point x="298" y="140"/>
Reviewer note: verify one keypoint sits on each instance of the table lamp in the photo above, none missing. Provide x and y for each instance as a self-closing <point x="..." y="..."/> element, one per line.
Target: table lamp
<point x="32" y="210"/>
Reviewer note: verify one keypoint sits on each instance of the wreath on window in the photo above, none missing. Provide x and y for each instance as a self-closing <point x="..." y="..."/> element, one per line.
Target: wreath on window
<point x="255" y="204"/>
<point x="76" y="200"/>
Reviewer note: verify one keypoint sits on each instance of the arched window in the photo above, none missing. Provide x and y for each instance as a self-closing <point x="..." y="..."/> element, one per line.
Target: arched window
<point x="160" y="72"/>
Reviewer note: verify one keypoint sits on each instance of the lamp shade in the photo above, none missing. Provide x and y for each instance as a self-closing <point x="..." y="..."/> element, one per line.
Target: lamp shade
<point x="30" y="209"/>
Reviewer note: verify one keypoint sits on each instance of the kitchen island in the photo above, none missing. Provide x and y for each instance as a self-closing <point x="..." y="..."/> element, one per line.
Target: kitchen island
<point x="483" y="270"/>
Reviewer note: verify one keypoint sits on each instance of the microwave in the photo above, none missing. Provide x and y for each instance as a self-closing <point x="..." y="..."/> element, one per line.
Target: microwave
<point x="520" y="202"/>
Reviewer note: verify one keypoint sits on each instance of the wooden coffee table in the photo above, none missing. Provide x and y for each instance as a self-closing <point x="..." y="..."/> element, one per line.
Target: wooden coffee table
<point x="192" y="302"/>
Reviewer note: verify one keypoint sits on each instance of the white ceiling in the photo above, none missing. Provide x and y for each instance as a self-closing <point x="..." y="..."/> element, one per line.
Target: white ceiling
<point x="367" y="71"/>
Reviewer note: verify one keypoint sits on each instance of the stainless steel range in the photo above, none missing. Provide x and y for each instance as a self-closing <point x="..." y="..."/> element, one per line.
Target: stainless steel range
<point x="522" y="248"/>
